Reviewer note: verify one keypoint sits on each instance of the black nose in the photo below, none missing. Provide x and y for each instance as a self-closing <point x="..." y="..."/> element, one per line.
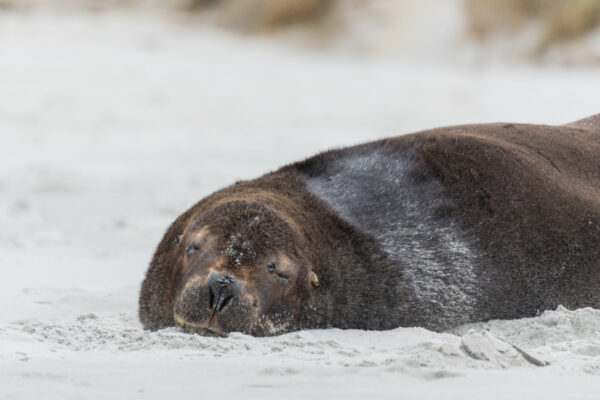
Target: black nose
<point x="221" y="288"/>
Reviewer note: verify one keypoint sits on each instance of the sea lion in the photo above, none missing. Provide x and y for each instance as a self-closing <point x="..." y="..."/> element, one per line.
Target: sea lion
<point x="432" y="229"/>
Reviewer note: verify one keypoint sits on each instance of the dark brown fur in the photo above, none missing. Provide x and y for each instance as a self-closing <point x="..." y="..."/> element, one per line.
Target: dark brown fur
<point x="531" y="195"/>
<point x="526" y="197"/>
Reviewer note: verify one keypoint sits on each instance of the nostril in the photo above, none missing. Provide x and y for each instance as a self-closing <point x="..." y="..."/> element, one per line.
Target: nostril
<point x="211" y="298"/>
<point x="226" y="280"/>
<point x="220" y="300"/>
<point x="225" y="302"/>
<point x="221" y="289"/>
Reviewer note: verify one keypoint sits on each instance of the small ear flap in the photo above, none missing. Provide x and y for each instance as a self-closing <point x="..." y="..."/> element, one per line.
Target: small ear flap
<point x="314" y="279"/>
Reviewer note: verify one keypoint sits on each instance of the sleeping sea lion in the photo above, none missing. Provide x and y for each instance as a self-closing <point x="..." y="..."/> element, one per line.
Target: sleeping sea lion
<point x="433" y="229"/>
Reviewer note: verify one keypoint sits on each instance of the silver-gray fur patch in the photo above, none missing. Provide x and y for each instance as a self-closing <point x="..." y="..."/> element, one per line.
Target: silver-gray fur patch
<point x="374" y="192"/>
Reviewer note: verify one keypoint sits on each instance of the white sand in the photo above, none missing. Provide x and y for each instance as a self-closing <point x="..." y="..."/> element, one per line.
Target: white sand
<point x="112" y="125"/>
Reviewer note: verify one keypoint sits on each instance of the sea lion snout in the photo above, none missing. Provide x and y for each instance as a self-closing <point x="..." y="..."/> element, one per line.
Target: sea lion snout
<point x="215" y="305"/>
<point x="221" y="288"/>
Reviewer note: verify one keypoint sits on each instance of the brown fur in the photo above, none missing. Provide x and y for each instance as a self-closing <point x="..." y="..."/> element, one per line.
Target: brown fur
<point x="526" y="196"/>
<point x="531" y="194"/>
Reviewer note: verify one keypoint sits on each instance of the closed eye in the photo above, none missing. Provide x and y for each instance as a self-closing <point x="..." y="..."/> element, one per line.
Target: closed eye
<point x="273" y="268"/>
<point x="192" y="249"/>
<point x="282" y="277"/>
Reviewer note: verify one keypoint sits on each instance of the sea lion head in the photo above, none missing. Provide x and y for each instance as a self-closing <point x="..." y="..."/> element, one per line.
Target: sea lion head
<point x="239" y="267"/>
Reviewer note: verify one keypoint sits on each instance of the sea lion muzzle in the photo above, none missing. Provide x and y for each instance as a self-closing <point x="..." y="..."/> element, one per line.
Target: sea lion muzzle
<point x="214" y="306"/>
<point x="221" y="288"/>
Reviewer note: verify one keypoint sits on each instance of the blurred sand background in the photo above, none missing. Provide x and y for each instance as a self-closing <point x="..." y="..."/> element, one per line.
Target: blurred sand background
<point x="561" y="31"/>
